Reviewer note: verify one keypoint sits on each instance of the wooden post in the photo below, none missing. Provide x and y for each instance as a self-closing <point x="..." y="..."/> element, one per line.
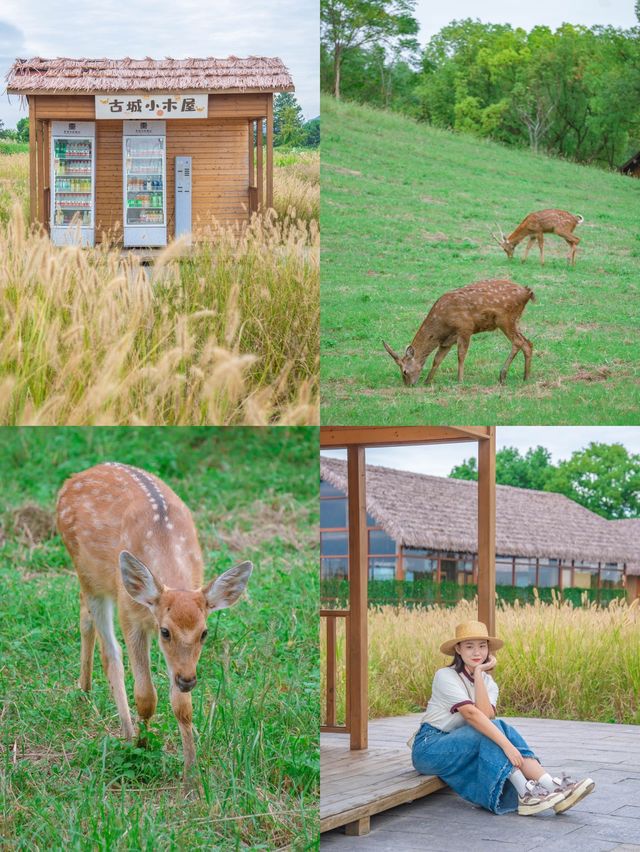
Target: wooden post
<point x="331" y="671"/>
<point x="259" y="169"/>
<point x="251" y="154"/>
<point x="270" y="150"/>
<point x="632" y="585"/>
<point x="33" y="161"/>
<point x="487" y="531"/>
<point x="40" y="148"/>
<point x="358" y="594"/>
<point x="46" y="144"/>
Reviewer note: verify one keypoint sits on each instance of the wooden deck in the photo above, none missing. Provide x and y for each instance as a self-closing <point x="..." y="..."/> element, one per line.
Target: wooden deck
<point x="355" y="785"/>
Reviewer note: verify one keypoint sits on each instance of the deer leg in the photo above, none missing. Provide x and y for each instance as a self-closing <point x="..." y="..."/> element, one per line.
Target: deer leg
<point x="573" y="247"/>
<point x="439" y="357"/>
<point x="87" y="645"/>
<point x="181" y="705"/>
<point x="110" y="651"/>
<point x="527" y="350"/>
<point x="463" y="345"/>
<point x="138" y="641"/>
<point x="540" y="239"/>
<point x="527" y="247"/>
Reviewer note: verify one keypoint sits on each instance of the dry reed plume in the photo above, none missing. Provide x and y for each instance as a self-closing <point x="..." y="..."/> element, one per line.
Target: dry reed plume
<point x="558" y="661"/>
<point x="227" y="333"/>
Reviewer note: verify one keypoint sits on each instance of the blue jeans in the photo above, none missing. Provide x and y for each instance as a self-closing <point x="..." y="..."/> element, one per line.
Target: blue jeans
<point x="470" y="763"/>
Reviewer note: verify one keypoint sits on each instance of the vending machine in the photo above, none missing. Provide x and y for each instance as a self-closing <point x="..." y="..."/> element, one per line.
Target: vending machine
<point x="73" y="172"/>
<point x="144" y="172"/>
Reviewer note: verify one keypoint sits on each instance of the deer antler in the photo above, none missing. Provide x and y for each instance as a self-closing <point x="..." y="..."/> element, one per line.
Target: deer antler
<point x="395" y="356"/>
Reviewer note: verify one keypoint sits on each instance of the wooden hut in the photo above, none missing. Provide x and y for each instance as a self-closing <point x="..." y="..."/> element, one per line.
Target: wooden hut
<point x="632" y="166"/>
<point x="209" y="110"/>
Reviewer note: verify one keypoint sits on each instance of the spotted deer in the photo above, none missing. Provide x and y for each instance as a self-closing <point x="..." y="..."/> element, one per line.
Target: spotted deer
<point x="134" y="546"/>
<point x="458" y="314"/>
<point x="535" y="225"/>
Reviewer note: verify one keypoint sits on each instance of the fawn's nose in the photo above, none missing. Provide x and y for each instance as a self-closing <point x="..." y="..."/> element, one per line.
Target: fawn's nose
<point x="185" y="684"/>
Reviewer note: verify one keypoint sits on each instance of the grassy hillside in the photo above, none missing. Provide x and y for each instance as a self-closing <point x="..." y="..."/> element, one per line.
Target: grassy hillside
<point x="406" y="214"/>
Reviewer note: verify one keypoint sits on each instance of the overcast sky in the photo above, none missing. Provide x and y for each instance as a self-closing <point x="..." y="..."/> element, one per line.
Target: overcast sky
<point x="289" y="29"/>
<point x="561" y="441"/>
<point x="432" y="17"/>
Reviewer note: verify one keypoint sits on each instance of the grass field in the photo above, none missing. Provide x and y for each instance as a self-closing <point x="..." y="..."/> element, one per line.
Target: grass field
<point x="406" y="215"/>
<point x="558" y="661"/>
<point x="228" y="334"/>
<point x="67" y="780"/>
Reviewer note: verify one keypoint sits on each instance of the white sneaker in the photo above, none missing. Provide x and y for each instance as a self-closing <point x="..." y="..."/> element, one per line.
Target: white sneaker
<point x="573" y="791"/>
<point x="536" y="799"/>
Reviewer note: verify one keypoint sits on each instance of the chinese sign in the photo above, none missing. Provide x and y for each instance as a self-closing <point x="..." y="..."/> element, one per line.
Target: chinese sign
<point x="152" y="106"/>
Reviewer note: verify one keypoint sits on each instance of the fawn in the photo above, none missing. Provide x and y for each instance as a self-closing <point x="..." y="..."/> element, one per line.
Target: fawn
<point x="482" y="306"/>
<point x="112" y="517"/>
<point x="535" y="225"/>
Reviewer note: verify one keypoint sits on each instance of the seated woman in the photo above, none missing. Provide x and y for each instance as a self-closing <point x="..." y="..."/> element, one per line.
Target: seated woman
<point x="482" y="758"/>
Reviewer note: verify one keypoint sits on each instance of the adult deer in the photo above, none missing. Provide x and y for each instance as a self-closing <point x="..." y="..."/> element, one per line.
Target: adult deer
<point x="483" y="306"/>
<point x="134" y="545"/>
<point x="535" y="225"/>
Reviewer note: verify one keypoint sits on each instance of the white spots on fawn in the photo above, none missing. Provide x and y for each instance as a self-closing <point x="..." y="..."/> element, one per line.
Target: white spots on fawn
<point x="149" y="488"/>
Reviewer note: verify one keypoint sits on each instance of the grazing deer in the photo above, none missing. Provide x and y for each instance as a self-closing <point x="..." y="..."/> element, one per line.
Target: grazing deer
<point x="483" y="306"/>
<point x="535" y="225"/>
<point x="134" y="545"/>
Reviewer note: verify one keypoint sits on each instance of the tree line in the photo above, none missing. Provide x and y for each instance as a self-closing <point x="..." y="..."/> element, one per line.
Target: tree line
<point x="604" y="478"/>
<point x="573" y="92"/>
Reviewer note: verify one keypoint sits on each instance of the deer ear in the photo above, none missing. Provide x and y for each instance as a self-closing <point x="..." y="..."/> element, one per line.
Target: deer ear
<point x="409" y="352"/>
<point x="227" y="588"/>
<point x="395" y="357"/>
<point x="138" y="580"/>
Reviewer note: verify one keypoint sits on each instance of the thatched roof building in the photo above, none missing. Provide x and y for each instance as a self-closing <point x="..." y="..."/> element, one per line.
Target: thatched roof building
<point x="441" y="514"/>
<point x="77" y="76"/>
<point x="632" y="166"/>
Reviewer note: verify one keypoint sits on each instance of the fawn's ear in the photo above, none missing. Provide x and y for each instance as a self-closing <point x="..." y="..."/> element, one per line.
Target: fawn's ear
<point x="395" y="357"/>
<point x="409" y="352"/>
<point x="227" y="588"/>
<point x="138" y="580"/>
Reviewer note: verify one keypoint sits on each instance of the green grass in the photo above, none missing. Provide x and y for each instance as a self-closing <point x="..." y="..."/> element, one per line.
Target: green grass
<point x="67" y="780"/>
<point x="406" y="215"/>
<point x="9" y="146"/>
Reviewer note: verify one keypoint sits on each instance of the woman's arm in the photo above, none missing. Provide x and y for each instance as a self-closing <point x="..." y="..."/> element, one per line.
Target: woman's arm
<point x="478" y="720"/>
<point x="482" y="696"/>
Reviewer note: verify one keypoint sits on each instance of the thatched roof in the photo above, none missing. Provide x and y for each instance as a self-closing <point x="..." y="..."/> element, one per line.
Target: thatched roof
<point x="441" y="514"/>
<point x="631" y="165"/>
<point x="81" y="76"/>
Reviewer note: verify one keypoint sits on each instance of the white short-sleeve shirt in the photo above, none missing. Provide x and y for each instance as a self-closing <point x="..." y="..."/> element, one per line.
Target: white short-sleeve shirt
<point x="449" y="692"/>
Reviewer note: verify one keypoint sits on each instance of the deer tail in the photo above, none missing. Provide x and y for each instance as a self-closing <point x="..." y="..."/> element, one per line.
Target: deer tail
<point x="579" y="218"/>
<point x="530" y="297"/>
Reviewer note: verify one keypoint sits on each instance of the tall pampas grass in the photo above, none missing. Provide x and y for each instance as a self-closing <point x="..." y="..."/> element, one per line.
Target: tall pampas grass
<point x="224" y="332"/>
<point x="558" y="661"/>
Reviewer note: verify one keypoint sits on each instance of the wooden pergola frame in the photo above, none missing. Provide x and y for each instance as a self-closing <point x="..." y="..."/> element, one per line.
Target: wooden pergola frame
<point x="355" y="440"/>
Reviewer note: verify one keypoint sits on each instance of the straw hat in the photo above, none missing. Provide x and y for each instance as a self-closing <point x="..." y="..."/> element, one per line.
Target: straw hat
<point x="470" y="630"/>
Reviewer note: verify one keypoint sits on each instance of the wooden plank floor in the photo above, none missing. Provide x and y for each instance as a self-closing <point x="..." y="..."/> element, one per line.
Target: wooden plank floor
<point x="607" y="820"/>
<point x="355" y="785"/>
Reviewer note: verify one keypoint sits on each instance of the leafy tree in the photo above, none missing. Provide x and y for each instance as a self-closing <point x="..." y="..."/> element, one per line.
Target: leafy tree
<point x="288" y="121"/>
<point x="604" y="478"/>
<point x="350" y="24"/>
<point x="22" y="128"/>
<point x="529" y="471"/>
<point x="312" y="130"/>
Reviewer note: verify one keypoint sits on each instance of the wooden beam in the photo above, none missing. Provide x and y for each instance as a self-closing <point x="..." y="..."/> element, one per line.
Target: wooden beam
<point x="358" y="599"/>
<point x="260" y="175"/>
<point x="632" y="585"/>
<point x="40" y="148"/>
<point x="251" y="126"/>
<point x="46" y="135"/>
<point x="270" y="150"/>
<point x="330" y="714"/>
<point x="33" y="162"/>
<point x="374" y="436"/>
<point x="487" y="532"/>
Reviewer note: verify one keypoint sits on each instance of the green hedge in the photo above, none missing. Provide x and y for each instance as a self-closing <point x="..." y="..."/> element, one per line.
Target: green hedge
<point x="411" y="593"/>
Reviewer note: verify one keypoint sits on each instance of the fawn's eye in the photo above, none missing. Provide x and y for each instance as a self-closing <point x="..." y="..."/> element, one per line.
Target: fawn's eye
<point x="204" y="635"/>
<point x="165" y="633"/>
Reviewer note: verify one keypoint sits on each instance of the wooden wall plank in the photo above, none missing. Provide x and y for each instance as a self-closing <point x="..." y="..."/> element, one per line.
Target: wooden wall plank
<point x="487" y="531"/>
<point x="357" y="686"/>
<point x="33" y="162"/>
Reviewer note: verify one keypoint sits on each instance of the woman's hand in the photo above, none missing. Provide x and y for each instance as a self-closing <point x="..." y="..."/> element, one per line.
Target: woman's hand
<point x="513" y="755"/>
<point x="488" y="666"/>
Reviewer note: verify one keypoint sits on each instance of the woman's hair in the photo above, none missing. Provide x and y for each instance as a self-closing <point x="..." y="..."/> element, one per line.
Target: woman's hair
<point x="458" y="663"/>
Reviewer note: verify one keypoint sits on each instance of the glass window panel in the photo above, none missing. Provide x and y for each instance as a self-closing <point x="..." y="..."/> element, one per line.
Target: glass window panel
<point x="611" y="576"/>
<point x="503" y="572"/>
<point x="327" y="490"/>
<point x="333" y="513"/>
<point x="566" y="578"/>
<point x="525" y="572"/>
<point x="547" y="575"/>
<point x="414" y="551"/>
<point x="380" y="542"/>
<point x="335" y="568"/>
<point x="382" y="569"/>
<point x="585" y="575"/>
<point x="448" y="569"/>
<point x="334" y="543"/>
<point x="371" y="521"/>
<point x="419" y="568"/>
